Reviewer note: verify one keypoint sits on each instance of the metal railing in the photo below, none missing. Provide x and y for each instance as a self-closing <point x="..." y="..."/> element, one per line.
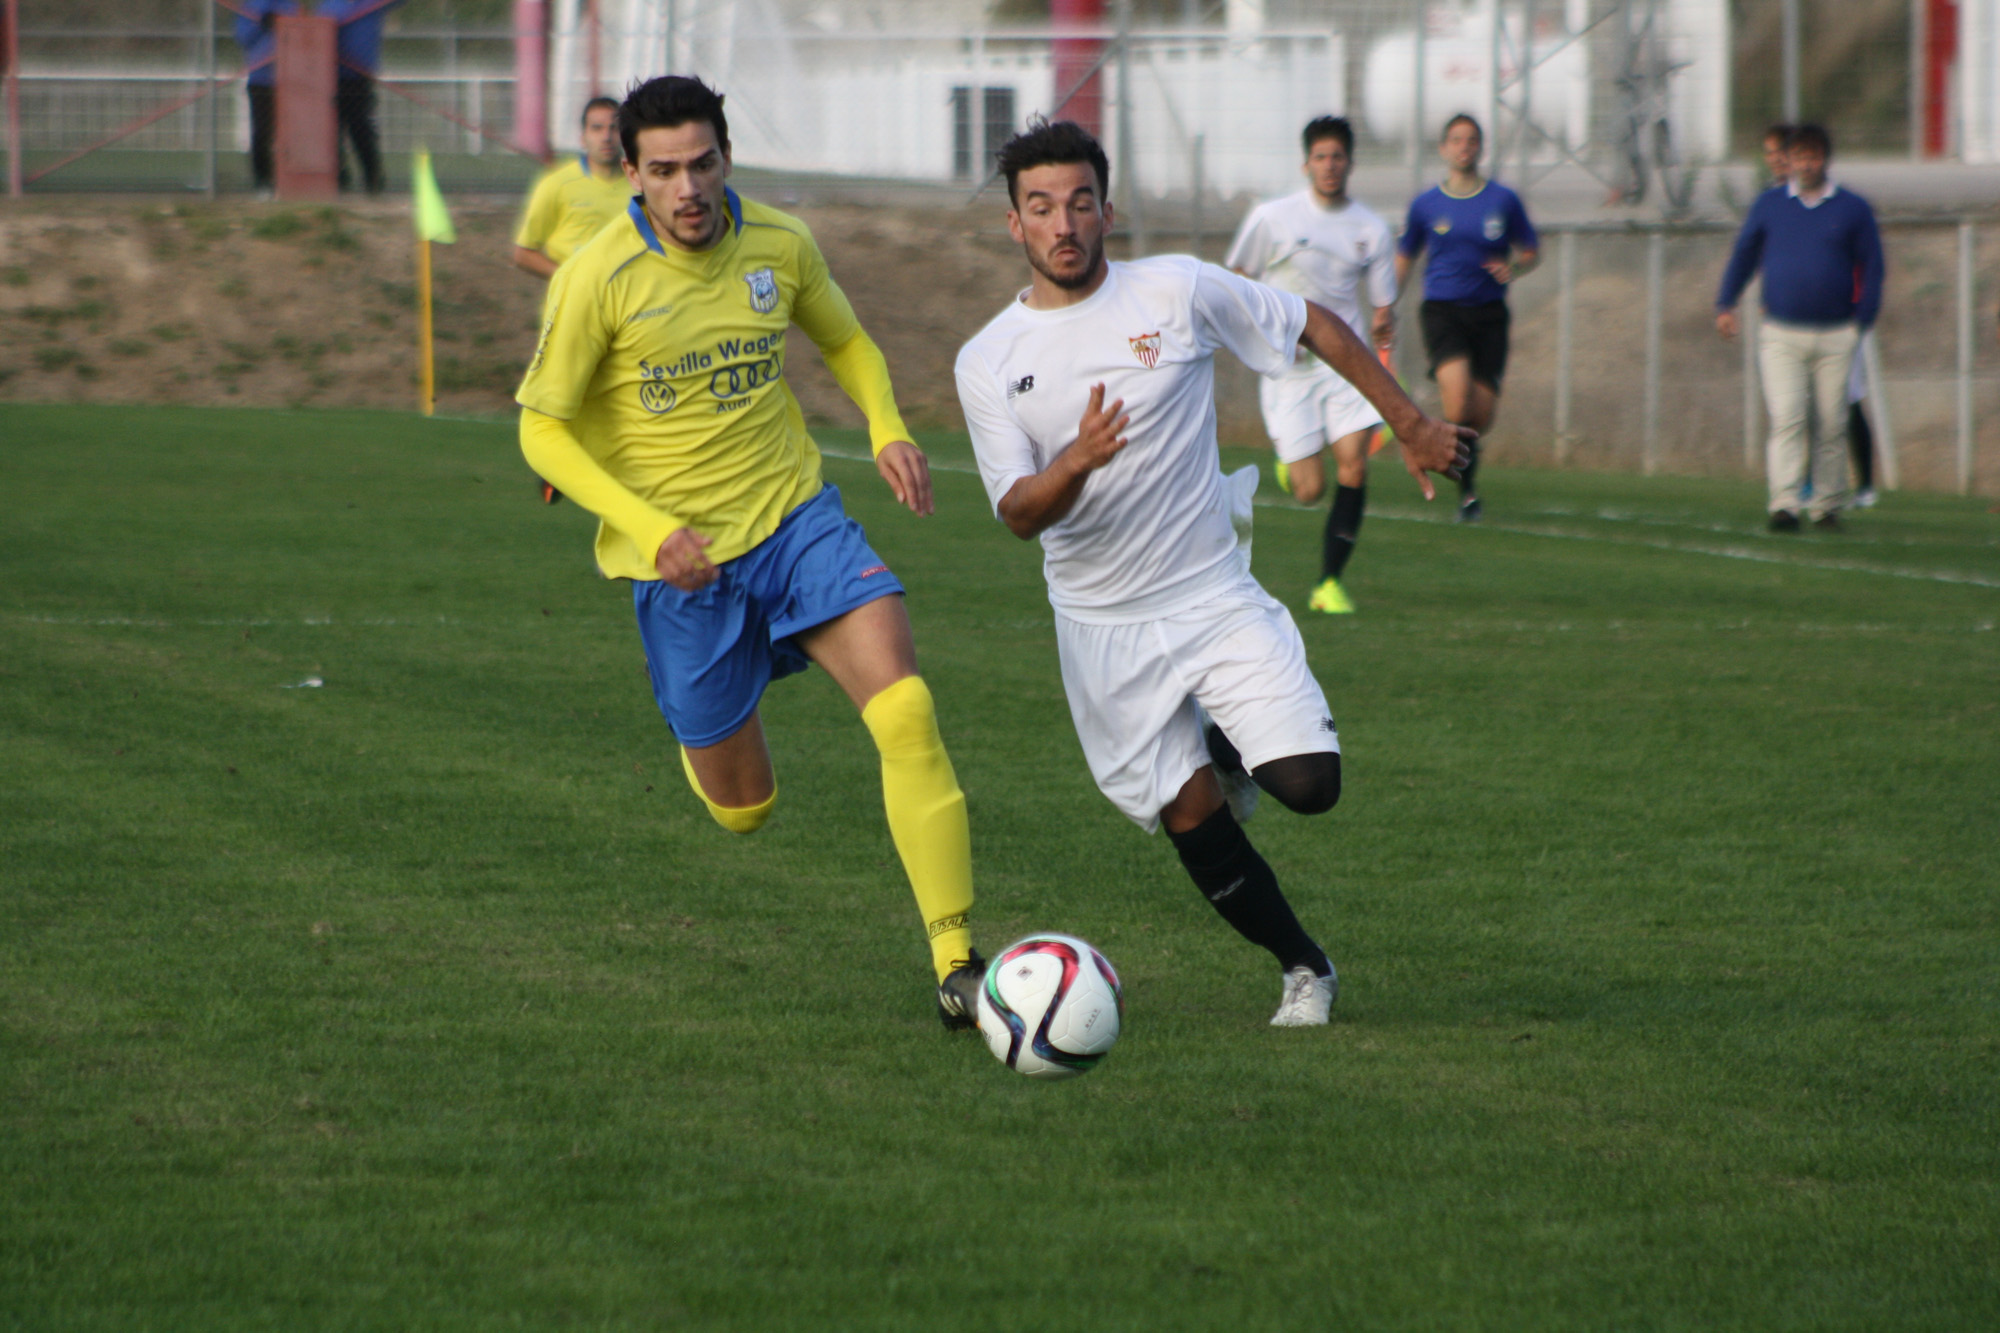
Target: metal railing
<point x="1615" y="348"/>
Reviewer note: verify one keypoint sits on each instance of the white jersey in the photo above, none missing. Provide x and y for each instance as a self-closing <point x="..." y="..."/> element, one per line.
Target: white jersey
<point x="1150" y="532"/>
<point x="1321" y="254"/>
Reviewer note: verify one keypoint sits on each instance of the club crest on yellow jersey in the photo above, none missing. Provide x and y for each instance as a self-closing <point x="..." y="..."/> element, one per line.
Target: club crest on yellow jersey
<point x="763" y="290"/>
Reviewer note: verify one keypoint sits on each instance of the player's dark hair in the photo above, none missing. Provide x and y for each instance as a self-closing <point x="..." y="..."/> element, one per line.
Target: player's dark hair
<point x="1328" y="127"/>
<point x="593" y="104"/>
<point x="1781" y="130"/>
<point x="1047" y="144"/>
<point x="1811" y="137"/>
<point x="665" y="102"/>
<point x="1461" y="119"/>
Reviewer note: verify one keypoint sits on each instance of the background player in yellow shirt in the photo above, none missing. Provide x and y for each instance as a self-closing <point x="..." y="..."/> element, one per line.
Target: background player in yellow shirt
<point x="657" y="400"/>
<point x="571" y="201"/>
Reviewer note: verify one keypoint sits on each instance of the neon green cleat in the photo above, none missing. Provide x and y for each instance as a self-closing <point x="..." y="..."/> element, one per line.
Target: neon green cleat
<point x="1283" y="472"/>
<point x="1329" y="598"/>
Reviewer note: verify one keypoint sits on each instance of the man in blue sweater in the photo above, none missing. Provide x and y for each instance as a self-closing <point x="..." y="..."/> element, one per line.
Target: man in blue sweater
<point x="256" y="33"/>
<point x="1822" y="261"/>
<point x="354" y="97"/>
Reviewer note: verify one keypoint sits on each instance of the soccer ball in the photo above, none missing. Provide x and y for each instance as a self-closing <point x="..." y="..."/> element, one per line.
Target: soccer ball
<point x="1050" y="1006"/>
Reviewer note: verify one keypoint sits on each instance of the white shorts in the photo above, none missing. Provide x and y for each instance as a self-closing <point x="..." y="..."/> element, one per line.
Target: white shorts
<point x="1305" y="413"/>
<point x="1133" y="690"/>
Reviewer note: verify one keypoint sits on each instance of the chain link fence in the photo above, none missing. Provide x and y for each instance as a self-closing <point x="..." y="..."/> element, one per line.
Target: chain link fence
<point x="1642" y="95"/>
<point x="1596" y="109"/>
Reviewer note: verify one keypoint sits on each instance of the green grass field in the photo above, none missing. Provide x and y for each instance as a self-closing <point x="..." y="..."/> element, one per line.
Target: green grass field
<point x="1663" y="893"/>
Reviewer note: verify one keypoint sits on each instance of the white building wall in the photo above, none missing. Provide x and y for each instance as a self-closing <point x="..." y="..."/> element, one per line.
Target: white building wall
<point x="1979" y="80"/>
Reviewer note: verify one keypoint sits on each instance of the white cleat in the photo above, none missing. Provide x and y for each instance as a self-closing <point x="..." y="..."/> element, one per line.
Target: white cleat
<point x="1307" y="1000"/>
<point x="1241" y="791"/>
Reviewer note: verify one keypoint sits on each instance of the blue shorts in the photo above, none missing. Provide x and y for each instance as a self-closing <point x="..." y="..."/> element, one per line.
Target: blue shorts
<point x="711" y="653"/>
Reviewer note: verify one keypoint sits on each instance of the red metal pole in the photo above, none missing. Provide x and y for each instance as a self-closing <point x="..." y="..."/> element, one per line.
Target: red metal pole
<point x="11" y="59"/>
<point x="1940" y="54"/>
<point x="531" y="78"/>
<point x="596" y="26"/>
<point x="1074" y="59"/>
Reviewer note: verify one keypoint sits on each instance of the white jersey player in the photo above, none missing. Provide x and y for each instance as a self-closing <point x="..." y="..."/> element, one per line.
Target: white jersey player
<point x="1325" y="247"/>
<point x="1091" y="404"/>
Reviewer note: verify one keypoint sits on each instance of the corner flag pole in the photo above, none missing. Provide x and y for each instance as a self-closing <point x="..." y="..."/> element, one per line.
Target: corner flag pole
<point x="433" y="224"/>
<point x="427" y="390"/>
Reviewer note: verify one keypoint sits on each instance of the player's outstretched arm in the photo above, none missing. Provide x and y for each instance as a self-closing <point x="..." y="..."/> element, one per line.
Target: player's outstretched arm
<point x="862" y="372"/>
<point x="1429" y="445"/>
<point x="1519" y="264"/>
<point x="908" y="473"/>
<point x="1034" y="503"/>
<point x="534" y="261"/>
<point x="560" y="459"/>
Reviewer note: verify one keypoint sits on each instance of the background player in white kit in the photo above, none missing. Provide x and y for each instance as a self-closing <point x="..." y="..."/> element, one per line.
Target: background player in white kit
<point x="1157" y="617"/>
<point x="1320" y="244"/>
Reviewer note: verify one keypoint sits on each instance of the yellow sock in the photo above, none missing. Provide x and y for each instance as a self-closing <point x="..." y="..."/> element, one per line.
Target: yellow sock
<point x="738" y="818"/>
<point x="926" y="814"/>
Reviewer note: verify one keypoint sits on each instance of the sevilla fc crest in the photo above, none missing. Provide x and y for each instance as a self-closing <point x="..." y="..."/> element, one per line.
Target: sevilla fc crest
<point x="763" y="290"/>
<point x="1147" y="348"/>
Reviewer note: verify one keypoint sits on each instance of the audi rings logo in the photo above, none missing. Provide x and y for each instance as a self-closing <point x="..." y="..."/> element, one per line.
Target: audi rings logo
<point x="657" y="396"/>
<point x="743" y="377"/>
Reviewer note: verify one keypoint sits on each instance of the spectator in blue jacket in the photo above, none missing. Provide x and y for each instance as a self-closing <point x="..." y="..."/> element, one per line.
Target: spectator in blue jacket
<point x="256" y="34"/>
<point x="354" y="98"/>
<point x="1822" y="261"/>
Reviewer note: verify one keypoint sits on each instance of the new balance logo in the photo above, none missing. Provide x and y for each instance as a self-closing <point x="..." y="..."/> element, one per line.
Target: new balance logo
<point x="1326" y="724"/>
<point x="1023" y="385"/>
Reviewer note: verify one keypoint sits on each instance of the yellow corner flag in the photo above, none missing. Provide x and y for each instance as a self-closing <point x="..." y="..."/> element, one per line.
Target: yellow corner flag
<point x="433" y="224"/>
<point x="433" y="219"/>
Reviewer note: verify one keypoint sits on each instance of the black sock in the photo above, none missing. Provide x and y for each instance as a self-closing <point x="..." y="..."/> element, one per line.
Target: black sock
<point x="1465" y="491"/>
<point x="1861" y="440"/>
<point x="1239" y="884"/>
<point x="1343" y="525"/>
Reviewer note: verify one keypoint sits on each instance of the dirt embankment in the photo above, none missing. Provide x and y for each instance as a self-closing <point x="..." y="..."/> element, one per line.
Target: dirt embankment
<point x="274" y="305"/>
<point x="139" y="301"/>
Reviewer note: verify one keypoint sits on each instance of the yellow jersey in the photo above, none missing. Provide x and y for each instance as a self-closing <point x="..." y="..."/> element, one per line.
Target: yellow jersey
<point x="568" y="206"/>
<point x="668" y="366"/>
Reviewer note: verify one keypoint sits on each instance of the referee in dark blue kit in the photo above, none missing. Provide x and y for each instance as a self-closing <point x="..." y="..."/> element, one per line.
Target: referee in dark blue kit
<point x="1480" y="240"/>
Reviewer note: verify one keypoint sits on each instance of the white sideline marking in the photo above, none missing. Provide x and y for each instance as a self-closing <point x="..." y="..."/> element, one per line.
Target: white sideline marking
<point x="211" y="622"/>
<point x="1718" y="552"/>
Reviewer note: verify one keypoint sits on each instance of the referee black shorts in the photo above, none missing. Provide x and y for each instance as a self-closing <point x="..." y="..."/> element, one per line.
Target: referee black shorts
<point x="1477" y="333"/>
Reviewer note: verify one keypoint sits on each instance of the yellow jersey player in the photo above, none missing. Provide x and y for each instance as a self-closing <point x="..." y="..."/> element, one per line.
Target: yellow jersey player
<point x="656" y="399"/>
<point x="573" y="200"/>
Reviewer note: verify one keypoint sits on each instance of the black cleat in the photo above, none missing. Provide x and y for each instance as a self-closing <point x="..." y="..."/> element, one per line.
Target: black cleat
<point x="550" y="494"/>
<point x="958" y="994"/>
<point x="1784" y="520"/>
<point x="1468" y="509"/>
<point x="1829" y="522"/>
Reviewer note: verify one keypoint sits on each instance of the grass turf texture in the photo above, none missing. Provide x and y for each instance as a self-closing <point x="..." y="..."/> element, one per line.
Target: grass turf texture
<point x="1662" y="894"/>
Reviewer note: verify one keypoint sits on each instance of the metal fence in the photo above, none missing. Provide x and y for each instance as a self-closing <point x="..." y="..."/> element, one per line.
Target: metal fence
<point x="1617" y="364"/>
<point x="1643" y="94"/>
